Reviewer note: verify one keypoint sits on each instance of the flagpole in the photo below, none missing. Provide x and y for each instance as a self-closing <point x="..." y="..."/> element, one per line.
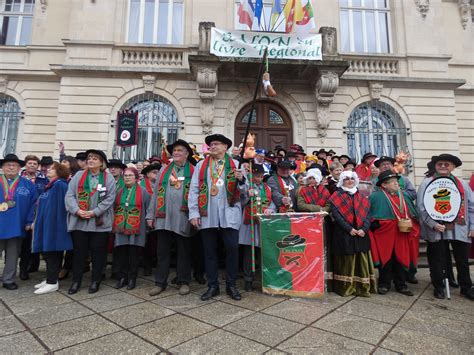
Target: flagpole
<point x="252" y="108"/>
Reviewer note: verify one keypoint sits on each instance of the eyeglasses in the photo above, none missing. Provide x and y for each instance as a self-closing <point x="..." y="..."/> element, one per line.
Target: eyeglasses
<point x="445" y="164"/>
<point x="349" y="178"/>
<point x="129" y="175"/>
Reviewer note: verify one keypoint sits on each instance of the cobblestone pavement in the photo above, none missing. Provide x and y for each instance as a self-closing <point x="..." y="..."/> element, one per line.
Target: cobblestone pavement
<point x="119" y="321"/>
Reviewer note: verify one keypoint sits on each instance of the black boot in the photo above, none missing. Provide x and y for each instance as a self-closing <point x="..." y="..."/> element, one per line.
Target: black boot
<point x="121" y="283"/>
<point x="248" y="286"/>
<point x="74" y="288"/>
<point x="233" y="293"/>
<point x="200" y="279"/>
<point x="132" y="283"/>
<point x="94" y="287"/>
<point x="211" y="292"/>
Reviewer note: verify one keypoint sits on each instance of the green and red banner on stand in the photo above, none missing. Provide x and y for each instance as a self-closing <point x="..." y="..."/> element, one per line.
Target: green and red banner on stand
<point x="293" y="254"/>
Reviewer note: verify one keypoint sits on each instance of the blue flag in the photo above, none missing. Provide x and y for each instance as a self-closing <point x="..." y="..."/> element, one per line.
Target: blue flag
<point x="258" y="10"/>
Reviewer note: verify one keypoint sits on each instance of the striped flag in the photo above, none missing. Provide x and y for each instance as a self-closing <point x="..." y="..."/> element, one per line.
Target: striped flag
<point x="306" y="24"/>
<point x="246" y="13"/>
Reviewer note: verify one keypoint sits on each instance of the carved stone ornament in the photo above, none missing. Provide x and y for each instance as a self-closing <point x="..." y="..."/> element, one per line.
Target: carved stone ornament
<point x="3" y="84"/>
<point x="423" y="6"/>
<point x="44" y="3"/>
<point x="375" y="90"/>
<point x="464" y="12"/>
<point x="329" y="40"/>
<point x="149" y="83"/>
<point x="326" y="87"/>
<point x="205" y="36"/>
<point x="206" y="79"/>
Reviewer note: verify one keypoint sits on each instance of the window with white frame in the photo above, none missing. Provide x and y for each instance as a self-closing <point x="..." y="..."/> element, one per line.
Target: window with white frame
<point x="365" y="26"/>
<point x="155" y="21"/>
<point x="267" y="22"/>
<point x="10" y="115"/>
<point x="16" y="18"/>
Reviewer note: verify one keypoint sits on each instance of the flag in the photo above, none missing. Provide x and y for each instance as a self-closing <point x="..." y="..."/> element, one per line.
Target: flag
<point x="164" y="156"/>
<point x="246" y="13"/>
<point x="293" y="254"/>
<point x="276" y="11"/>
<point x="258" y="10"/>
<point x="289" y="12"/>
<point x="307" y="22"/>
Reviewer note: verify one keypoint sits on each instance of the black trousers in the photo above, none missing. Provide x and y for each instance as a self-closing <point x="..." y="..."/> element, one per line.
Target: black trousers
<point x="68" y="257"/>
<point x="127" y="258"/>
<point x="164" y="241"/>
<point x="28" y="259"/>
<point x="84" y="243"/>
<point x="230" y="238"/>
<point x="53" y="265"/>
<point x="197" y="255"/>
<point x="247" y="261"/>
<point x="392" y="271"/>
<point x="437" y="260"/>
<point x="149" y="254"/>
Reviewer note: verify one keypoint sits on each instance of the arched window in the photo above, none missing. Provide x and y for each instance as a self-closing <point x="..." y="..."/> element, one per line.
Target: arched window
<point x="157" y="122"/>
<point x="375" y="127"/>
<point x="10" y="115"/>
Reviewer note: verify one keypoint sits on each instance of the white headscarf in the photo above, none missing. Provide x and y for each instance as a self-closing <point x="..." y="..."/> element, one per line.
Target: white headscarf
<point x="316" y="173"/>
<point x="345" y="175"/>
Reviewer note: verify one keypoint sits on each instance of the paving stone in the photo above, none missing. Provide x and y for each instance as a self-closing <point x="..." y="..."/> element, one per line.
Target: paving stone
<point x="431" y="324"/>
<point x="10" y="325"/>
<point x="112" y="301"/>
<point x="391" y="299"/>
<point x="83" y="294"/>
<point x="117" y="343"/>
<point x="144" y="290"/>
<point x="219" y="342"/>
<point x="382" y="351"/>
<point x="75" y="331"/>
<point x="457" y="302"/>
<point x="55" y="314"/>
<point x="25" y="288"/>
<point x="137" y="314"/>
<point x="265" y="329"/>
<point x="442" y="308"/>
<point x="218" y="313"/>
<point x="4" y="312"/>
<point x="36" y="302"/>
<point x="330" y="300"/>
<point x="368" y="330"/>
<point x="171" y="331"/>
<point x="311" y="340"/>
<point x="297" y="311"/>
<point x="375" y="311"/>
<point x="410" y="341"/>
<point x="21" y="343"/>
<point x="180" y="303"/>
<point x="255" y="300"/>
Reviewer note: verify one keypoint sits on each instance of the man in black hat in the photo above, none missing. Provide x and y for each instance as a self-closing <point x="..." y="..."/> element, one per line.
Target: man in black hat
<point x="458" y="233"/>
<point x="168" y="216"/>
<point x="81" y="158"/>
<point x="343" y="158"/>
<point x="394" y="250"/>
<point x="385" y="163"/>
<point x="45" y="163"/>
<point x="283" y="187"/>
<point x="17" y="205"/>
<point x="363" y="170"/>
<point x="116" y="168"/>
<point x="215" y="209"/>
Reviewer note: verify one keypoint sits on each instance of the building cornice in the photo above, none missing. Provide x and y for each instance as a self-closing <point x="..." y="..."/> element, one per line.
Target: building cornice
<point x="402" y="82"/>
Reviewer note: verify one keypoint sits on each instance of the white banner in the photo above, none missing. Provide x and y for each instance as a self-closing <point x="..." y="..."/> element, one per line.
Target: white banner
<point x="247" y="44"/>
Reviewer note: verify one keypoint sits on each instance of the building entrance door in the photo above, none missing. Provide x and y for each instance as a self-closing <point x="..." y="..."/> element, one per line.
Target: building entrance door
<point x="271" y="126"/>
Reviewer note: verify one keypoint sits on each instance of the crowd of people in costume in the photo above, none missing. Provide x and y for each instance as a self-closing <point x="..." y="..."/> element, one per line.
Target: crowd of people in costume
<point x="195" y="209"/>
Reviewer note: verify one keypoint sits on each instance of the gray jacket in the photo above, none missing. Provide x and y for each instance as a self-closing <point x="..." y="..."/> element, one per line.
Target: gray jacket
<point x="460" y="232"/>
<point x="103" y="209"/>
<point x="219" y="212"/>
<point x="175" y="220"/>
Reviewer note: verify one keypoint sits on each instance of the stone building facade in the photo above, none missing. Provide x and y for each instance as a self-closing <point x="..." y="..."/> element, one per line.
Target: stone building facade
<point x="395" y="75"/>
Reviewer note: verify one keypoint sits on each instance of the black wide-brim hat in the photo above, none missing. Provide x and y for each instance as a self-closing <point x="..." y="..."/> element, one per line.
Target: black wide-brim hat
<point x="284" y="164"/>
<point x="182" y="143"/>
<point x="154" y="166"/>
<point x="116" y="162"/>
<point x="81" y="156"/>
<point x="350" y="162"/>
<point x="383" y="158"/>
<point x="46" y="160"/>
<point x="258" y="169"/>
<point x="344" y="156"/>
<point x="385" y="175"/>
<point x="100" y="153"/>
<point x="447" y="157"/>
<point x="291" y="241"/>
<point x="12" y="158"/>
<point x="218" y="137"/>
<point x="368" y="155"/>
